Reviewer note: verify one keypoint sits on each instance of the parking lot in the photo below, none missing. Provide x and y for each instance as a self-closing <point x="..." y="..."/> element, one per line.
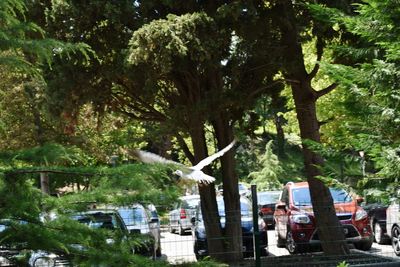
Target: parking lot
<point x="178" y="249"/>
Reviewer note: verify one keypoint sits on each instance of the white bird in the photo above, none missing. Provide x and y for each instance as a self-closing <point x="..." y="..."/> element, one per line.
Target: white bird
<point x="193" y="173"/>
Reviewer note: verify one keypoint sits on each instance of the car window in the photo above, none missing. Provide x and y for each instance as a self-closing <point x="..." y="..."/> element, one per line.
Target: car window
<point x="133" y="216"/>
<point x="190" y="203"/>
<point x="267" y="198"/>
<point x="301" y="196"/>
<point x="245" y="207"/>
<point x="97" y="220"/>
<point x="340" y="196"/>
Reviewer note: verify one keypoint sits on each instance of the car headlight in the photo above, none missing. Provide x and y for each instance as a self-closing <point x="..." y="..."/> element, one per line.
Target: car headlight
<point x="300" y="218"/>
<point x="44" y="262"/>
<point x="360" y="214"/>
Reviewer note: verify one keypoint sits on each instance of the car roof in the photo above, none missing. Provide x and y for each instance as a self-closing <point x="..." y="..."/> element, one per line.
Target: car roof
<point x="190" y="197"/>
<point x="96" y="211"/>
<point x="268" y="192"/>
<point x="299" y="184"/>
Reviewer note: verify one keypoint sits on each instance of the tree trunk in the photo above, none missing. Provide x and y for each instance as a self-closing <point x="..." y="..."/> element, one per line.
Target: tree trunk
<point x="329" y="228"/>
<point x="45" y="183"/>
<point x="208" y="198"/>
<point x="280" y="136"/>
<point x="233" y="227"/>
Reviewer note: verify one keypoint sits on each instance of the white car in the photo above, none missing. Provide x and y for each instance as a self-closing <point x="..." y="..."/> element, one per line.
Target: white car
<point x="393" y="224"/>
<point x="180" y="217"/>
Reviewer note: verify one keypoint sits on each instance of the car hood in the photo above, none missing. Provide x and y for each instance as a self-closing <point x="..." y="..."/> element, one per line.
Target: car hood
<point x="340" y="208"/>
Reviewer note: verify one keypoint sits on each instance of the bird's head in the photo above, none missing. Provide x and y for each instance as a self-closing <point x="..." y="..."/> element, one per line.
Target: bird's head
<point x="178" y="172"/>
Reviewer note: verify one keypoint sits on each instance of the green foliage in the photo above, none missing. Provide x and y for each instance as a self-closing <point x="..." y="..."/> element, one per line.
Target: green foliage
<point x="343" y="264"/>
<point x="162" y="42"/>
<point x="23" y="44"/>
<point x="268" y="177"/>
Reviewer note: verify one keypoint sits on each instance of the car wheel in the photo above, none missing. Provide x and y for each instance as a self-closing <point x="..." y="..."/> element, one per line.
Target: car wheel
<point x="395" y="240"/>
<point x="292" y="246"/>
<point x="181" y="231"/>
<point x="365" y="245"/>
<point x="378" y="233"/>
<point x="171" y="229"/>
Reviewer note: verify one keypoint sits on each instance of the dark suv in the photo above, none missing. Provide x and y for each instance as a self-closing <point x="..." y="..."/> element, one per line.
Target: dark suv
<point x="199" y="232"/>
<point x="295" y="221"/>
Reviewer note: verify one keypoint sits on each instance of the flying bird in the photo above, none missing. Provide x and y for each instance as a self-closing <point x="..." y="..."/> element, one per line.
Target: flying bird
<point x="193" y="173"/>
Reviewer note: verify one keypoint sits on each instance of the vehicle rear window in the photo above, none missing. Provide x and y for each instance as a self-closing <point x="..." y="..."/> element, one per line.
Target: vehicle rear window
<point x="190" y="203"/>
<point x="245" y="207"/>
<point x="99" y="220"/>
<point x="267" y="198"/>
<point x="133" y="216"/>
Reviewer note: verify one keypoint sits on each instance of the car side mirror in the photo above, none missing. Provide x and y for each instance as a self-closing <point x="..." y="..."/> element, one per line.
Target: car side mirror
<point x="260" y="214"/>
<point x="359" y="200"/>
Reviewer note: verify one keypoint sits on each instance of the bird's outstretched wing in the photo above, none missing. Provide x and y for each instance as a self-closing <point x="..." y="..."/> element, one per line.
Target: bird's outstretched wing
<point x="148" y="157"/>
<point x="211" y="158"/>
<point x="205" y="179"/>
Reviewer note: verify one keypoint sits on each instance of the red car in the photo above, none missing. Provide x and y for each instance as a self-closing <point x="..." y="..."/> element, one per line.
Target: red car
<point x="295" y="222"/>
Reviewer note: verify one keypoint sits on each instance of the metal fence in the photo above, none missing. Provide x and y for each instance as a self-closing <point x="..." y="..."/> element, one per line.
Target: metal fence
<point x="273" y="234"/>
<point x="293" y="241"/>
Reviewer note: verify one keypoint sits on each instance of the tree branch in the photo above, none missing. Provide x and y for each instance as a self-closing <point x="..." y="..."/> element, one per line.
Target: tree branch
<point x="320" y="50"/>
<point x="325" y="91"/>
<point x="185" y="148"/>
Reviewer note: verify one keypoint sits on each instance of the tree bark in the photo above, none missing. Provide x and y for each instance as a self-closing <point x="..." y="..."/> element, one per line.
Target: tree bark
<point x="280" y="136"/>
<point x="208" y="197"/>
<point x="329" y="228"/>
<point x="305" y="97"/>
<point x="233" y="226"/>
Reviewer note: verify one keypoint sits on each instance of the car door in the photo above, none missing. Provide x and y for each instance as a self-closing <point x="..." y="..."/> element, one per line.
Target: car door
<point x="281" y="213"/>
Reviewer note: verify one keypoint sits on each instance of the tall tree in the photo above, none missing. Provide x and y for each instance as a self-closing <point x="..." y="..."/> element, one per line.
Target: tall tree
<point x="293" y="16"/>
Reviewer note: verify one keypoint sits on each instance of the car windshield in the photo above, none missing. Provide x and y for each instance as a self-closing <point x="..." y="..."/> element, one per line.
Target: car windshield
<point x="301" y="196"/>
<point x="268" y="197"/>
<point x="97" y="220"/>
<point x="190" y="203"/>
<point x="245" y="207"/>
<point x="133" y="216"/>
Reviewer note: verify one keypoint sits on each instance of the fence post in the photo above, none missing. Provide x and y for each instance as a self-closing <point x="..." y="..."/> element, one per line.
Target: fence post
<point x="256" y="231"/>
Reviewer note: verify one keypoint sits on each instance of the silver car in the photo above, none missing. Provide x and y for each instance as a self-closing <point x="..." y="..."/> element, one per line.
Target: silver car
<point x="180" y="217"/>
<point x="393" y="224"/>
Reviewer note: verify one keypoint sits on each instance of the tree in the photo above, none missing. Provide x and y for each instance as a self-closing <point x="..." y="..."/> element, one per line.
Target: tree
<point x="369" y="72"/>
<point x="202" y="79"/>
<point x="305" y="98"/>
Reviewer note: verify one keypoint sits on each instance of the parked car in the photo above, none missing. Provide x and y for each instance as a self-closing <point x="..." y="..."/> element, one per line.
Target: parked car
<point x="393" y="224"/>
<point x="266" y="206"/>
<point x="377" y="215"/>
<point x="295" y="221"/>
<point x="244" y="190"/>
<point x="180" y="217"/>
<point x="105" y="219"/>
<point x="199" y="233"/>
<point x="143" y="221"/>
<point x="12" y="252"/>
